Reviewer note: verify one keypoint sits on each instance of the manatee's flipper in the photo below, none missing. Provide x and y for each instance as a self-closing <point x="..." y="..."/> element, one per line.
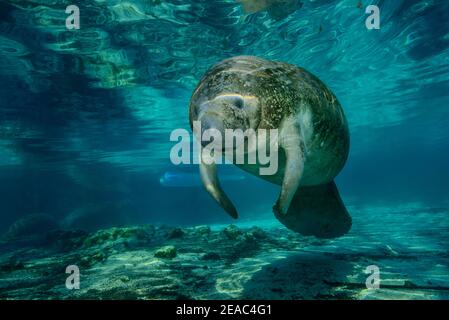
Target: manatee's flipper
<point x="210" y="181"/>
<point x="290" y="141"/>
<point x="317" y="211"/>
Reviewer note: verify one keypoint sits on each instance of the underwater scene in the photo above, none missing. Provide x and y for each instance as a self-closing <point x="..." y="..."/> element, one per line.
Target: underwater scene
<point x="116" y="182"/>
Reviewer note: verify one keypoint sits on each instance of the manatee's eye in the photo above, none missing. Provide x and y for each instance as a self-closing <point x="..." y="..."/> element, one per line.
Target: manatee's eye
<point x="231" y="100"/>
<point x="239" y="102"/>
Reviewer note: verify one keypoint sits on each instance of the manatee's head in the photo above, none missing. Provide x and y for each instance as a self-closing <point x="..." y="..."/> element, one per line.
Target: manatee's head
<point x="227" y="111"/>
<point x="226" y="98"/>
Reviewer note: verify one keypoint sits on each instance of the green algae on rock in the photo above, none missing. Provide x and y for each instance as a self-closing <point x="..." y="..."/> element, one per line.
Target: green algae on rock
<point x="232" y="232"/>
<point x="166" y="252"/>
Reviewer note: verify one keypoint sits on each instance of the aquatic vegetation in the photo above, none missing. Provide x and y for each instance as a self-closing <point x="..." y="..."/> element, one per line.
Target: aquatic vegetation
<point x="166" y="252"/>
<point x="202" y="230"/>
<point x="114" y="236"/>
<point x="232" y="232"/>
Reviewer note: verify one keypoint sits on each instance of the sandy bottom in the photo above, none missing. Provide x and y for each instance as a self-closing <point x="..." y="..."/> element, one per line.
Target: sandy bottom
<point x="409" y="245"/>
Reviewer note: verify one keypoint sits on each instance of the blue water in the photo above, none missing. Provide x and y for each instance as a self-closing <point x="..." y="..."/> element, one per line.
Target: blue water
<point x="86" y="115"/>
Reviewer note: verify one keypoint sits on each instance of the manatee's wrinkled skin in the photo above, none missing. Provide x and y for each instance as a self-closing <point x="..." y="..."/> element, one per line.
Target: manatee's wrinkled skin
<point x="284" y="90"/>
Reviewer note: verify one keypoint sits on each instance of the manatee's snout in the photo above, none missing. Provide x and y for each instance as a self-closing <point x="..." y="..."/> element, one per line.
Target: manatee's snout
<point x="211" y="123"/>
<point x="227" y="112"/>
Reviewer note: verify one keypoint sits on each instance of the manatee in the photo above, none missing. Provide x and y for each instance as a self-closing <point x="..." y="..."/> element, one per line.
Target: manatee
<point x="248" y="92"/>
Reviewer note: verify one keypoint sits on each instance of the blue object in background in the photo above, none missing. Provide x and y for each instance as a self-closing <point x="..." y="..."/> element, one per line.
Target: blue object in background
<point x="190" y="179"/>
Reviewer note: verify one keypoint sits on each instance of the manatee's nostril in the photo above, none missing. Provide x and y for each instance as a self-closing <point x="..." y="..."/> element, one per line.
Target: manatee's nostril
<point x="204" y="127"/>
<point x="211" y="123"/>
<point x="210" y="127"/>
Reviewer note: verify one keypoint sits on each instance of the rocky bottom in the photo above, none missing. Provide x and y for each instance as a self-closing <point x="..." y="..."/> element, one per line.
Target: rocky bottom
<point x="408" y="246"/>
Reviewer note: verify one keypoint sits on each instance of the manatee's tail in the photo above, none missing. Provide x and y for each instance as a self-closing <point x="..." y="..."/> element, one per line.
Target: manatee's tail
<point x="317" y="211"/>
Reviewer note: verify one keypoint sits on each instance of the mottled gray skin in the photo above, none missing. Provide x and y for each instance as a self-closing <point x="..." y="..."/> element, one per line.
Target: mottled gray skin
<point x="286" y="95"/>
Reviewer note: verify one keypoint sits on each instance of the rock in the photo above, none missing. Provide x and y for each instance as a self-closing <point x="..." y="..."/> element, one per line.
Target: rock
<point x="66" y="239"/>
<point x="242" y="248"/>
<point x="98" y="238"/>
<point x="201" y="230"/>
<point x="31" y="225"/>
<point x="168" y="252"/>
<point x="211" y="256"/>
<point x="129" y="233"/>
<point x="133" y="236"/>
<point x="256" y="233"/>
<point x="232" y="232"/>
<point x="176" y="233"/>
